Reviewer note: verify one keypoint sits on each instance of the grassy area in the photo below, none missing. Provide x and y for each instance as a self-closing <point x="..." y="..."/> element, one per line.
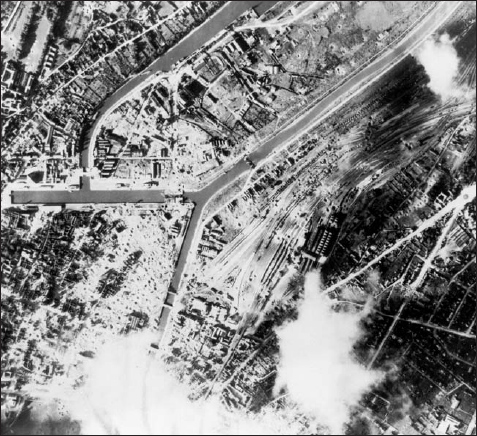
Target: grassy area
<point x="28" y="36"/>
<point x="34" y="58"/>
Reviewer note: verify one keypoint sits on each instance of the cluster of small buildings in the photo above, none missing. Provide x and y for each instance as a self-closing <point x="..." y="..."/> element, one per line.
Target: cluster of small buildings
<point x="212" y="242"/>
<point x="449" y="419"/>
<point x="111" y="282"/>
<point x="137" y="321"/>
<point x="29" y="258"/>
<point x="45" y="255"/>
<point x="72" y="93"/>
<point x="203" y="333"/>
<point x="433" y="351"/>
<point x="37" y="266"/>
<point x="436" y="378"/>
<point x="224" y="73"/>
<point x="49" y="60"/>
<point x="133" y="57"/>
<point x="253" y="385"/>
<point x="16" y="87"/>
<point x="401" y="208"/>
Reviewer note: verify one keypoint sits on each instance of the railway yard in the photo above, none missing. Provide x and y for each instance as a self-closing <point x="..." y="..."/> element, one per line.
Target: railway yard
<point x="255" y="151"/>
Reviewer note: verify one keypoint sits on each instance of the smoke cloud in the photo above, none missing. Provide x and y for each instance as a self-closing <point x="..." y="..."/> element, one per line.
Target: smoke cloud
<point x="441" y="62"/>
<point x="317" y="366"/>
<point x="127" y="391"/>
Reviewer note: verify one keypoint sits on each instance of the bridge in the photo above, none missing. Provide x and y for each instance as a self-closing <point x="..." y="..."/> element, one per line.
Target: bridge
<point x="86" y="195"/>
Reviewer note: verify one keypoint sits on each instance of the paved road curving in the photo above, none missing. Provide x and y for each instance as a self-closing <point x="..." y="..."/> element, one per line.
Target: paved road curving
<point x="192" y="42"/>
<point x="321" y="110"/>
<point x="334" y="100"/>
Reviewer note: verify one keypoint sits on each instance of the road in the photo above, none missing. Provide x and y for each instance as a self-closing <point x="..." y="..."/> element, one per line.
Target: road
<point x="471" y="426"/>
<point x="188" y="45"/>
<point x="388" y="333"/>
<point x="86" y="195"/>
<point x="276" y="22"/>
<point x="467" y="195"/>
<point x="192" y="42"/>
<point x="83" y="196"/>
<point x="322" y="109"/>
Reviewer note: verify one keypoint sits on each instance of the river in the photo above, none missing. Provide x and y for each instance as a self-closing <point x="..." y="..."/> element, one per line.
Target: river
<point x="425" y="27"/>
<point x="188" y="45"/>
<point x="200" y="198"/>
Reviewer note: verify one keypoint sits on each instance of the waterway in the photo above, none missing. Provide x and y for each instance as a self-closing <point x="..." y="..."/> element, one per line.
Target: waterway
<point x="318" y="111"/>
<point x="188" y="45"/>
<point x="225" y="16"/>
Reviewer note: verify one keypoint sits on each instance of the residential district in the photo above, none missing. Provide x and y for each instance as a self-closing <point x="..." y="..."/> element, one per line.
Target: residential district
<point x="182" y="168"/>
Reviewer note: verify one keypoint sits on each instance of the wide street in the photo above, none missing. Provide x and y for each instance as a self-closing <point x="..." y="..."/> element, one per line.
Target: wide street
<point x="86" y="195"/>
<point x="309" y="119"/>
<point x="335" y="99"/>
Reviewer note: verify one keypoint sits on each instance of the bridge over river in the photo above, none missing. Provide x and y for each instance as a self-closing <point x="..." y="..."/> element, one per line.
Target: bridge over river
<point x="335" y="99"/>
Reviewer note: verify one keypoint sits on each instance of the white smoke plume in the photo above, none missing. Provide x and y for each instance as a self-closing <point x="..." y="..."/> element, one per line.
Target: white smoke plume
<point x="317" y="366"/>
<point x="441" y="62"/>
<point x="128" y="392"/>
